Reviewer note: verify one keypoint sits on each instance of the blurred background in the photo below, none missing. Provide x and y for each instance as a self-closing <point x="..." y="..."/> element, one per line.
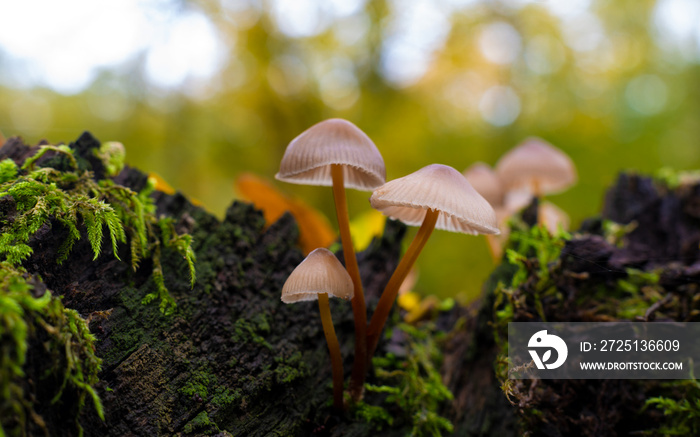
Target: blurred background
<point x="201" y="91"/>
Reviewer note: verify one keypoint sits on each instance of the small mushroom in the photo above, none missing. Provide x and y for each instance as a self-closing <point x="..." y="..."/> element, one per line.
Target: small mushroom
<point x="486" y="182"/>
<point x="337" y="153"/>
<point x="538" y="166"/>
<point x="321" y="275"/>
<point x="436" y="196"/>
<point x="311" y="157"/>
<point x="517" y="199"/>
<point x="534" y="168"/>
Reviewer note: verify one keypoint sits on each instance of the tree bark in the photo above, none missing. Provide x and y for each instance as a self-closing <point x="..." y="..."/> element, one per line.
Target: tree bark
<point x="233" y="360"/>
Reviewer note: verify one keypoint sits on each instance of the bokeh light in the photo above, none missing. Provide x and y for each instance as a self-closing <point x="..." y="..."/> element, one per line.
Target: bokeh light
<point x="500" y="43"/>
<point x="499" y="105"/>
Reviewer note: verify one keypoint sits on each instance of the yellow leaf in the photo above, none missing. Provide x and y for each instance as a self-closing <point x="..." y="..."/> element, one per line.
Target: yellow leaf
<point x="365" y="227"/>
<point x="422" y="310"/>
<point x="409" y="300"/>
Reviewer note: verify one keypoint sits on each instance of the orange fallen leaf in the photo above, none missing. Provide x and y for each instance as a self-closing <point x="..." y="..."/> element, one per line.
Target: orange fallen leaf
<point x="263" y="195"/>
<point x="160" y="184"/>
<point x="314" y="228"/>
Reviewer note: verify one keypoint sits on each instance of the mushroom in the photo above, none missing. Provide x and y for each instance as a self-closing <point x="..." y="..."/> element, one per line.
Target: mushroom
<point x="436" y="196"/>
<point x="337" y="153"/>
<point x="537" y="166"/>
<point x="321" y="275"/>
<point x="516" y="199"/>
<point x="486" y="182"/>
<point x="534" y="168"/>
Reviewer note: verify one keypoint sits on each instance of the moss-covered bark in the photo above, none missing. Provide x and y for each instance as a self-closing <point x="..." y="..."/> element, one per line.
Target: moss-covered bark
<point x="230" y="359"/>
<point x="638" y="262"/>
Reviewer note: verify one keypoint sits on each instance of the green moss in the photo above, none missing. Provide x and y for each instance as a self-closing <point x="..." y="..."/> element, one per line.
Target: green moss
<point x="680" y="407"/>
<point x="76" y="201"/>
<point x="538" y="243"/>
<point x="633" y="295"/>
<point x="37" y="202"/>
<point x="62" y="151"/>
<point x="203" y="384"/>
<point x="375" y="415"/>
<point x="530" y="290"/>
<point x="201" y="425"/>
<point x="142" y="327"/>
<point x="224" y="397"/>
<point x="290" y="368"/>
<point x="525" y="281"/>
<point x="112" y="155"/>
<point x="8" y="170"/>
<point x="414" y="390"/>
<point x="614" y="232"/>
<point x="81" y="364"/>
<point x="532" y="255"/>
<point x="261" y="323"/>
<point x="68" y="345"/>
<point x="55" y="191"/>
<point x="673" y="178"/>
<point x="198" y="384"/>
<point x="246" y="330"/>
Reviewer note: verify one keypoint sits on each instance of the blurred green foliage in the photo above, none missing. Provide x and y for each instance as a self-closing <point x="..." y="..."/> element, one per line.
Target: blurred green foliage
<point x="594" y="81"/>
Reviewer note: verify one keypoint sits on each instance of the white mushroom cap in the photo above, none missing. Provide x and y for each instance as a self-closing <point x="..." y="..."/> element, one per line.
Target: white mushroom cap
<point x="309" y="156"/>
<point x="485" y="182"/>
<point x="536" y="162"/>
<point x="320" y="272"/>
<point x="441" y="188"/>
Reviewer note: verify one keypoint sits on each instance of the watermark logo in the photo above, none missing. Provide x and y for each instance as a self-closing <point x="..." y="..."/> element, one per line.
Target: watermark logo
<point x="603" y="350"/>
<point x="541" y="339"/>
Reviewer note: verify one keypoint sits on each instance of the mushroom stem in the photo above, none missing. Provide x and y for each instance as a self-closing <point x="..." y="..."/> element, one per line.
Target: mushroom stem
<point x="495" y="248"/>
<point x="359" y="309"/>
<point x="334" y="350"/>
<point x="536" y="194"/>
<point x="536" y="189"/>
<point x="392" y="288"/>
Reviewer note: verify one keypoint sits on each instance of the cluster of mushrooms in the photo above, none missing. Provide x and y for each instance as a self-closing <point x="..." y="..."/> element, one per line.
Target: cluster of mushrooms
<point x="531" y="170"/>
<point x="337" y="153"/>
